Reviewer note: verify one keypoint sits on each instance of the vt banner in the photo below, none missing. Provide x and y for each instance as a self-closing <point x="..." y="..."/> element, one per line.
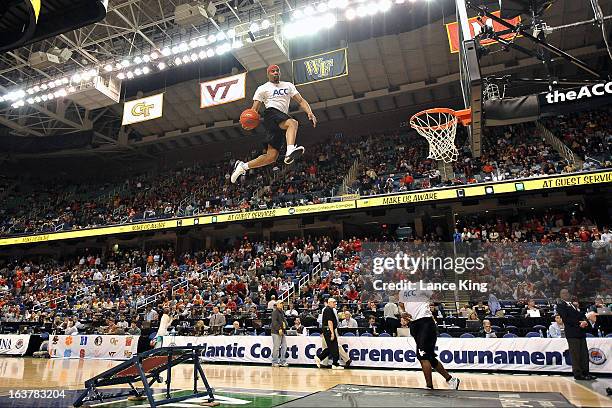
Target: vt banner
<point x="222" y="90"/>
<point x="102" y="347"/>
<point x="320" y="67"/>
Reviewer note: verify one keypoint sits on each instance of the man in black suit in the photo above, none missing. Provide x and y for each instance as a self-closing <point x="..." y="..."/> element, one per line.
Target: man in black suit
<point x="575" y="325"/>
<point x="330" y="324"/>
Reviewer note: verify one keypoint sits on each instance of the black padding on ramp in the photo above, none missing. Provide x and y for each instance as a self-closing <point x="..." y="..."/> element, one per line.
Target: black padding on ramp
<point x="347" y="395"/>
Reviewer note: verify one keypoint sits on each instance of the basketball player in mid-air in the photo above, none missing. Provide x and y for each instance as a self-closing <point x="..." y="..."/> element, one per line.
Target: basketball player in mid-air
<point x="275" y="95"/>
<point x="425" y="332"/>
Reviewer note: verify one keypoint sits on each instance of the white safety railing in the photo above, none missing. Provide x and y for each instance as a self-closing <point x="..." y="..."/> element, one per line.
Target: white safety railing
<point x="559" y="146"/>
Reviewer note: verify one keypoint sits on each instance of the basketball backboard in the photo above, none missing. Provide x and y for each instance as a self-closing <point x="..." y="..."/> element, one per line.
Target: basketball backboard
<point x="469" y="72"/>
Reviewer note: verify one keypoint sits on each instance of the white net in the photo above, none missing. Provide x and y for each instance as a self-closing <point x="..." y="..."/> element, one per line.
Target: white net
<point x="439" y="128"/>
<point x="493" y="91"/>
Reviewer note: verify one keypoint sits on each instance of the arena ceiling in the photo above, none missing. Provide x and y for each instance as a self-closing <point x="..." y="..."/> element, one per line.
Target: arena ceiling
<point x="409" y="68"/>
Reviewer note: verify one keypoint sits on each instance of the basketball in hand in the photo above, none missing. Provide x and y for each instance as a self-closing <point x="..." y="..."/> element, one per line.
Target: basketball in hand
<point x="249" y="119"/>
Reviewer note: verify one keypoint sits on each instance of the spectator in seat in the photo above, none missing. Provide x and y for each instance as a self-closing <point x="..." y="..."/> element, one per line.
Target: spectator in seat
<point x="473" y="316"/>
<point x="134" y="330"/>
<point x="391" y="312"/>
<point x="71" y="330"/>
<point x="291" y="312"/>
<point x="531" y="310"/>
<point x="348" y="322"/>
<point x="557" y="328"/>
<point x="487" y="331"/>
<point x="199" y="329"/>
<point x="298" y="326"/>
<point x="217" y="321"/>
<point x="151" y="314"/>
<point x="236" y="329"/>
<point x="373" y="325"/>
<point x="593" y="326"/>
<point x="272" y="303"/>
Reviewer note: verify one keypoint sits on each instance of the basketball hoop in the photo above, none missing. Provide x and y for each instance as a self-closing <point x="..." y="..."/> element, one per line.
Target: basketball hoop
<point x="439" y="126"/>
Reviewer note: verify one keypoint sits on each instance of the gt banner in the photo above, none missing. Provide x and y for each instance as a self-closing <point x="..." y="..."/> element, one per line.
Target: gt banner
<point x="223" y="90"/>
<point x="517" y="354"/>
<point x="14" y="344"/>
<point x="143" y="109"/>
<point x="93" y="346"/>
<point x="493" y="189"/>
<point x="452" y="29"/>
<point x="320" y="67"/>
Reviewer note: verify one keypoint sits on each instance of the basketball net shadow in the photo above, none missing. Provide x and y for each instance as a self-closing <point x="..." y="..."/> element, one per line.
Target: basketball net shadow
<point x="146" y="368"/>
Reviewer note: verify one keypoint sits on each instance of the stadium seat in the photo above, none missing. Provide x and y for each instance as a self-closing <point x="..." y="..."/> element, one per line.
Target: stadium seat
<point x="512" y="329"/>
<point x="366" y="334"/>
<point x="541" y="329"/>
<point x="533" y="334"/>
<point x="589" y="335"/>
<point x="467" y="336"/>
<point x="384" y="335"/>
<point x="609" y="335"/>
<point x="495" y="328"/>
<point x="349" y="334"/>
<point x="509" y="336"/>
<point x="314" y="334"/>
<point x="444" y="335"/>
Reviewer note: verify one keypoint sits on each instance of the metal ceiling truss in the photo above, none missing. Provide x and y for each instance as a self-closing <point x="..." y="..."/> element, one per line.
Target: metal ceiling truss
<point x="130" y="27"/>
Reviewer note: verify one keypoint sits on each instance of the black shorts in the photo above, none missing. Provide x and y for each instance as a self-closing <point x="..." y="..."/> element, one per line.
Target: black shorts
<point x="276" y="136"/>
<point x="425" y="333"/>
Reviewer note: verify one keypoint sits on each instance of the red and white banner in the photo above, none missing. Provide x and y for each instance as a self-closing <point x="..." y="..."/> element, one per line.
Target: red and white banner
<point x="104" y="347"/>
<point x="222" y="90"/>
<point x="14" y="344"/>
<point x="452" y="29"/>
<point x="514" y="354"/>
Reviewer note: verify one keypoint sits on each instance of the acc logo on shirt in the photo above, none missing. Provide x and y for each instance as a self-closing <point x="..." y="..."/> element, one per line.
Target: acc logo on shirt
<point x="222" y="90"/>
<point x="279" y="92"/>
<point x="597" y="356"/>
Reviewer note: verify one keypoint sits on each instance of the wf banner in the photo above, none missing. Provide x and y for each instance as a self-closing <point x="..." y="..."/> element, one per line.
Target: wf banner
<point x="514" y="354"/>
<point x="93" y="346"/>
<point x="14" y="344"/>
<point x="320" y="67"/>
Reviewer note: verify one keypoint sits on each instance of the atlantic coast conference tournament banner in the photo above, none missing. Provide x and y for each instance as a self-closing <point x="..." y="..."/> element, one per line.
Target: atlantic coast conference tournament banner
<point x="516" y="354"/>
<point x="329" y="65"/>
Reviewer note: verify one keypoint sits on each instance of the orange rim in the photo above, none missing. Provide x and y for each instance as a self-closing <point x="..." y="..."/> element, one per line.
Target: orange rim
<point x="463" y="116"/>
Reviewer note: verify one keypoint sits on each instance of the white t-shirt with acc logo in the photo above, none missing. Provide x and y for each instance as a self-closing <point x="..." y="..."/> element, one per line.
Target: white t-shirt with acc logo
<point x="276" y="96"/>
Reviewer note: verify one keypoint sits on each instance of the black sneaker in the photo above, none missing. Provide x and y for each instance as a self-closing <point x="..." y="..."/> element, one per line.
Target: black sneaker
<point x="348" y="364"/>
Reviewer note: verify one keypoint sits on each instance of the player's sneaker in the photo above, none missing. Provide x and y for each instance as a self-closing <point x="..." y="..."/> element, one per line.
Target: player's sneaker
<point x="294" y="154"/>
<point x="337" y="367"/>
<point x="453" y="383"/>
<point x="238" y="171"/>
<point x="318" y="361"/>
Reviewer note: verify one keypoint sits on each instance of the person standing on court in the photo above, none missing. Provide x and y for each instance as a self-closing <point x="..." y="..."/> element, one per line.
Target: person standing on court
<point x="279" y="340"/>
<point x="424" y="330"/>
<point x="575" y="333"/>
<point x="330" y="324"/>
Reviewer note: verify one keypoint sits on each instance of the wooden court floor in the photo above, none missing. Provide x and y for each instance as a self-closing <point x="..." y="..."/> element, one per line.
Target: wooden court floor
<point x="28" y="373"/>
